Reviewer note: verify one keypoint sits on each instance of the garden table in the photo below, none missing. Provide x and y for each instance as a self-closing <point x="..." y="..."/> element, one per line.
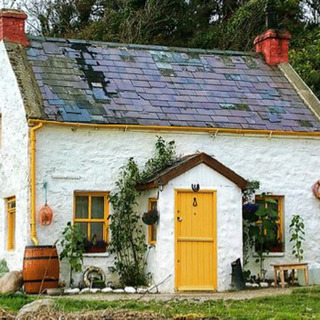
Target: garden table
<point x="289" y="266"/>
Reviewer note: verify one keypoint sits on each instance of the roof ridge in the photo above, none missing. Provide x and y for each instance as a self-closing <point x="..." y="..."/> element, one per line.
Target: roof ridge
<point x="144" y="46"/>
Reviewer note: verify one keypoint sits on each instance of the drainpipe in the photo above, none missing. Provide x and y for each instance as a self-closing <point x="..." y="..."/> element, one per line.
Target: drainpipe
<point x="33" y="141"/>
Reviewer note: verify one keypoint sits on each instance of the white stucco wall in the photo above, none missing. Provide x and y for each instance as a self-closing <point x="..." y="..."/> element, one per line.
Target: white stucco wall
<point x="90" y="159"/>
<point x="14" y="162"/>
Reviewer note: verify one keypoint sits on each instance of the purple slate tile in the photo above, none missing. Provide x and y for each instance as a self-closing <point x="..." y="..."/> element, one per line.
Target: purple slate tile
<point x="231" y="125"/>
<point x="220" y="119"/>
<point x="124" y="85"/>
<point x="135" y="107"/>
<point x="157" y="84"/>
<point x="129" y="95"/>
<point x="160" y="103"/>
<point x="148" y="96"/>
<point x="122" y="101"/>
<point x="51" y="47"/>
<point x="138" y="83"/>
<point x="166" y="97"/>
<point x="133" y="71"/>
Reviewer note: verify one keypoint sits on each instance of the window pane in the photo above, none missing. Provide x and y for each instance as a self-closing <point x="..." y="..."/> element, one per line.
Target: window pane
<point x="273" y="206"/>
<point x="275" y="245"/>
<point x="82" y="204"/>
<point x="83" y="227"/>
<point x="97" y="230"/>
<point x="97" y="207"/>
<point x="153" y="205"/>
<point x="153" y="232"/>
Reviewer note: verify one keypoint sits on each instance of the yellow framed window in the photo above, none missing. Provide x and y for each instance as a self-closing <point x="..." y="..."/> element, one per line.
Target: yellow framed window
<point x="277" y="206"/>
<point x="11" y="218"/>
<point x="91" y="211"/>
<point x="152" y="230"/>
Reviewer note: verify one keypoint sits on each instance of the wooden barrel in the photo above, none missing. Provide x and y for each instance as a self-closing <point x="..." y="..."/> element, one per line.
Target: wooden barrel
<point x="40" y="268"/>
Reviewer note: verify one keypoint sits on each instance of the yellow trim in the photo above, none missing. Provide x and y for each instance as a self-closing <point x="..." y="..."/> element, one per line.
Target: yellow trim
<point x="105" y="219"/>
<point x="11" y="220"/>
<point x="33" y="141"/>
<point x="280" y="213"/>
<point x="150" y="230"/>
<point x="184" y="129"/>
<point x="176" y="239"/>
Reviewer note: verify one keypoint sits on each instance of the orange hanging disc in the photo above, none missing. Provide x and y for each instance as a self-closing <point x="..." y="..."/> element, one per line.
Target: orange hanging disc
<point x="46" y="215"/>
<point x="316" y="189"/>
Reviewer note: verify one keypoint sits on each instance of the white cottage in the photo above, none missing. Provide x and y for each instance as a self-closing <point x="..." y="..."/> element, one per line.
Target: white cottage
<point x="73" y="112"/>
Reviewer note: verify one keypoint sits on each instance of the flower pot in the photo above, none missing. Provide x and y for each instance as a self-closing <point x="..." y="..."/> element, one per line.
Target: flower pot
<point x="250" y="208"/>
<point x="276" y="248"/>
<point x="150" y="217"/>
<point x="94" y="249"/>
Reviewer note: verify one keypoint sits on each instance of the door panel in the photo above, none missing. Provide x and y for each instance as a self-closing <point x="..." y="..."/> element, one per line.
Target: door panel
<point x="196" y="241"/>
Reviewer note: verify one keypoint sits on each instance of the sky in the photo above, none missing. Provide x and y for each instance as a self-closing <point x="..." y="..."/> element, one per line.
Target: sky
<point x="32" y="24"/>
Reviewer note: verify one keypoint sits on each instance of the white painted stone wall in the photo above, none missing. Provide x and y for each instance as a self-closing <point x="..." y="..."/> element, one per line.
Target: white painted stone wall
<point x="90" y="159"/>
<point x="14" y="162"/>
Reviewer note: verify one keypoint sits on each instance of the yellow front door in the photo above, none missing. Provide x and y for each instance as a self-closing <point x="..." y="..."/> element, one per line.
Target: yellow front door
<point x="195" y="234"/>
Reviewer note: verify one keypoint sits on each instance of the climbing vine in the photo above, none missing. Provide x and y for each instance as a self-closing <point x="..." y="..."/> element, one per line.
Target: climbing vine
<point x="128" y="242"/>
<point x="297" y="236"/>
<point x="249" y="208"/>
<point x="165" y="155"/>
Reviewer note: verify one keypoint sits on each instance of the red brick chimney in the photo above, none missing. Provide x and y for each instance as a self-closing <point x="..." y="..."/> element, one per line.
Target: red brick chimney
<point x="12" y="26"/>
<point x="273" y="43"/>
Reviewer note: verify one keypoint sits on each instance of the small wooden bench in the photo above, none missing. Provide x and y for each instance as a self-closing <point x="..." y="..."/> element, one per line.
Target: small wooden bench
<point x="289" y="266"/>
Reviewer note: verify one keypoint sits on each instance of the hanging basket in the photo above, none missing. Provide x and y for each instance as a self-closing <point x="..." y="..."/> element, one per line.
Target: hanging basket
<point x="150" y="217"/>
<point x="249" y="209"/>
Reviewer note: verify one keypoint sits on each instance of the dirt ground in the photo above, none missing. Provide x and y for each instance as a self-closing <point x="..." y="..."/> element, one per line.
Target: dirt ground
<point x="195" y="296"/>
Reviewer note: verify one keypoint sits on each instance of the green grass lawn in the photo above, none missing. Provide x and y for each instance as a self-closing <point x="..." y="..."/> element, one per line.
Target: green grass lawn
<point x="303" y="303"/>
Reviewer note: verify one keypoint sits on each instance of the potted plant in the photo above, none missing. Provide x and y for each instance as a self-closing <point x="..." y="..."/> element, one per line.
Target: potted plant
<point x="94" y="245"/>
<point x="150" y="217"/>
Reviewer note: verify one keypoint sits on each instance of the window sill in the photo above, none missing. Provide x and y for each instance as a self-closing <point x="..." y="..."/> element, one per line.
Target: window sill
<point x="96" y="255"/>
<point x="270" y="255"/>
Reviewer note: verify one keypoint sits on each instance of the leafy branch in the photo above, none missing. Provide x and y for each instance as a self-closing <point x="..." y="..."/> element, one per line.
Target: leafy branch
<point x="297" y="236"/>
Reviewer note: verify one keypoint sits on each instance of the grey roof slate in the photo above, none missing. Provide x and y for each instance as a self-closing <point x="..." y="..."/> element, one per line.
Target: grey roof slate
<point x="111" y="83"/>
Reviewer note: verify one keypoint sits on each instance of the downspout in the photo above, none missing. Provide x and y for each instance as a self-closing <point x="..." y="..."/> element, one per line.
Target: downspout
<point x="33" y="141"/>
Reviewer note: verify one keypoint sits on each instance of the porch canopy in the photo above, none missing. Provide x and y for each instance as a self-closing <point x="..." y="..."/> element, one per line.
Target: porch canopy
<point x="186" y="163"/>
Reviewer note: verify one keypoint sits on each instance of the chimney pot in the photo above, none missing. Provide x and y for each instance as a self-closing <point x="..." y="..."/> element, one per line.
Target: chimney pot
<point x="12" y="26"/>
<point x="273" y="43"/>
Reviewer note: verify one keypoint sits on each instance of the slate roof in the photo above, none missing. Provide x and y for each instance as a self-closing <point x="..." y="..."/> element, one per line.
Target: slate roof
<point x="109" y="83"/>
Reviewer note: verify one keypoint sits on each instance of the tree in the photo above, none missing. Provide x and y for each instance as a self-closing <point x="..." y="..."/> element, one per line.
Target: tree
<point x="212" y="24"/>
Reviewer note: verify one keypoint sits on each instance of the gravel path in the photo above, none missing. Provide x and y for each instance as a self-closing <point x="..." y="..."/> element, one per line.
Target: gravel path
<point x="240" y="295"/>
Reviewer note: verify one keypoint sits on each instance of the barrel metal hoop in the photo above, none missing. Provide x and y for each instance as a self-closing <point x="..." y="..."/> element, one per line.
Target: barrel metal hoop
<point x="41" y="258"/>
<point x="40" y="247"/>
<point x="41" y="280"/>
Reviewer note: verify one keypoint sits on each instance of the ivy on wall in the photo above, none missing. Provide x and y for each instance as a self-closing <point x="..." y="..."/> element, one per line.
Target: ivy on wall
<point x="128" y="242"/>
